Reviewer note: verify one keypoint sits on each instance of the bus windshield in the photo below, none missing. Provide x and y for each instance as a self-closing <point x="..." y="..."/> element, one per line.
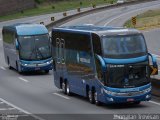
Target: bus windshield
<point x="124" y="45"/>
<point x="34" y="47"/>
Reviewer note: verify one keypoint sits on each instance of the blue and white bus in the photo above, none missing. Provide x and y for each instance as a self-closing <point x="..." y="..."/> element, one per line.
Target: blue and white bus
<point x="105" y="64"/>
<point x="27" y="47"/>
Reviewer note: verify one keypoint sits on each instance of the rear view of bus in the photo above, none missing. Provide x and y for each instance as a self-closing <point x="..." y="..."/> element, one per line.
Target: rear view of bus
<point x="104" y="64"/>
<point x="27" y="47"/>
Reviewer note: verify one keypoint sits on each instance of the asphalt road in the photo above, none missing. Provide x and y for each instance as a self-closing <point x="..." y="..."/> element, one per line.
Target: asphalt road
<point x="36" y="93"/>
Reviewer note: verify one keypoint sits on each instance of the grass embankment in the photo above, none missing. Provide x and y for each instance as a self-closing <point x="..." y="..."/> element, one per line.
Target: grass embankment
<point x="147" y="20"/>
<point x="53" y="7"/>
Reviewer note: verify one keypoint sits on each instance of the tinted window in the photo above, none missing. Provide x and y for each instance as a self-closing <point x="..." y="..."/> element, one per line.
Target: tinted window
<point x="96" y="44"/>
<point x="34" y="47"/>
<point x="124" y="45"/>
<point x="77" y="41"/>
<point x="8" y="36"/>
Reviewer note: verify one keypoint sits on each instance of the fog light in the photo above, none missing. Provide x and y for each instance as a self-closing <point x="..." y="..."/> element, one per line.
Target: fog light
<point x="148" y="96"/>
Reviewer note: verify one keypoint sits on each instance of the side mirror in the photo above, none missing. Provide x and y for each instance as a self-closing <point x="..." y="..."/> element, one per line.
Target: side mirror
<point x="50" y="39"/>
<point x="17" y="44"/>
<point x="153" y="69"/>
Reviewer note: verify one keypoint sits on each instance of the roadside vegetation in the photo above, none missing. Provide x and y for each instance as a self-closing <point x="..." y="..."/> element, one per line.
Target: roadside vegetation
<point x="147" y="20"/>
<point x="49" y="6"/>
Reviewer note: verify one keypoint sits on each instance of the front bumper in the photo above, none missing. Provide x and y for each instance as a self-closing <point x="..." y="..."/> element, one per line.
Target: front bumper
<point x="113" y="95"/>
<point x="36" y="68"/>
<point x="118" y="99"/>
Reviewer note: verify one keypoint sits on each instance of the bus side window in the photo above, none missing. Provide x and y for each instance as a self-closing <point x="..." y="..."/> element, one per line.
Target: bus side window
<point x="9" y="37"/>
<point x="96" y="44"/>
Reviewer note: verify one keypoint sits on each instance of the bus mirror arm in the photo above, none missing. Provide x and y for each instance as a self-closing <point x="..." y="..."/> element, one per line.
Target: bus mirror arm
<point x="153" y="59"/>
<point x="17" y="45"/>
<point x="154" y="66"/>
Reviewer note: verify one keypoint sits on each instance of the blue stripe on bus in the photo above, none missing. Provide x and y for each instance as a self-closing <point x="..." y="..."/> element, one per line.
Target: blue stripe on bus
<point x="126" y="61"/>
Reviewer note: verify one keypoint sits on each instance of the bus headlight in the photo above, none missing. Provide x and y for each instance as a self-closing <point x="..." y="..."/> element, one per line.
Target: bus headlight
<point x="147" y="90"/>
<point x="109" y="92"/>
<point x="49" y="62"/>
<point x="24" y="64"/>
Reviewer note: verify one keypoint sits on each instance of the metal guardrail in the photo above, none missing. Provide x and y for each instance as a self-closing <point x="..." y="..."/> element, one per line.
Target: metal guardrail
<point x="94" y="10"/>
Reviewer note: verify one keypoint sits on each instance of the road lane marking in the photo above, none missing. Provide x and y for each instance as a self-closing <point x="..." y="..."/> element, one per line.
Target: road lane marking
<point x="5" y="109"/>
<point x="61" y="96"/>
<point x="20" y="109"/>
<point x="155" y="102"/>
<point x="11" y="108"/>
<point x="10" y="104"/>
<point x="23" y="79"/>
<point x="3" y="68"/>
<point x="115" y="18"/>
<point x="1" y="102"/>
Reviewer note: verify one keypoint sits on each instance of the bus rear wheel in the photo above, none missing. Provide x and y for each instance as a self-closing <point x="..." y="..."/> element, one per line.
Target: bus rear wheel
<point x="96" y="99"/>
<point x="91" y="96"/>
<point x="68" y="89"/>
<point x="64" y="88"/>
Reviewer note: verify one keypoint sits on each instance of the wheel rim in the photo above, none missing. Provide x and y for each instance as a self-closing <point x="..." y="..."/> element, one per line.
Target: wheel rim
<point x="63" y="87"/>
<point x="90" y="96"/>
<point x="68" y="91"/>
<point x="95" y="97"/>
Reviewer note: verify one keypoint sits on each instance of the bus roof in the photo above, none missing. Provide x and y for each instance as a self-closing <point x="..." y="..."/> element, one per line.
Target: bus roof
<point x="100" y="30"/>
<point x="28" y="29"/>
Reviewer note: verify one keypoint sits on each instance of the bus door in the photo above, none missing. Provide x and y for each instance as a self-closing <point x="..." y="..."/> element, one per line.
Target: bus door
<point x="60" y="55"/>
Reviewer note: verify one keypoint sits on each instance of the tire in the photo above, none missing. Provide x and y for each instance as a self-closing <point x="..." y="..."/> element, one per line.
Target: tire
<point x="46" y="71"/>
<point x="91" y="96"/>
<point x="8" y="62"/>
<point x="68" y="89"/>
<point x="98" y="103"/>
<point x="17" y="68"/>
<point x="64" y="88"/>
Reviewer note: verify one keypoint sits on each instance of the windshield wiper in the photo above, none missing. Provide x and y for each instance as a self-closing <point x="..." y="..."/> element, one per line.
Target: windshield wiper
<point x="33" y="51"/>
<point x="40" y="53"/>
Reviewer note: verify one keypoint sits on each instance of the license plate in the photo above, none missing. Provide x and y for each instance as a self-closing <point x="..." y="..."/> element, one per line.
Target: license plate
<point x="37" y="68"/>
<point x="130" y="100"/>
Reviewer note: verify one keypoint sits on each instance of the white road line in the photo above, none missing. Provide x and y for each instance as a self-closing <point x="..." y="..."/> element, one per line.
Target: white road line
<point x="1" y="102"/>
<point x="155" y="102"/>
<point x="20" y="109"/>
<point x="11" y="108"/>
<point x="127" y="14"/>
<point x="3" y="109"/>
<point x="23" y="79"/>
<point x="61" y="96"/>
<point x="3" y="68"/>
<point x="14" y="106"/>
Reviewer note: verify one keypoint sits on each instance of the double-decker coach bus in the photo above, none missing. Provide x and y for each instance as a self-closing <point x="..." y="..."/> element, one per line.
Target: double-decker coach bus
<point x="107" y="65"/>
<point x="27" y="47"/>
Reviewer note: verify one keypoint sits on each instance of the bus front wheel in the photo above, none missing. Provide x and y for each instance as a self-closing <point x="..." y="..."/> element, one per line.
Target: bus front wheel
<point x="46" y="71"/>
<point x="8" y="61"/>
